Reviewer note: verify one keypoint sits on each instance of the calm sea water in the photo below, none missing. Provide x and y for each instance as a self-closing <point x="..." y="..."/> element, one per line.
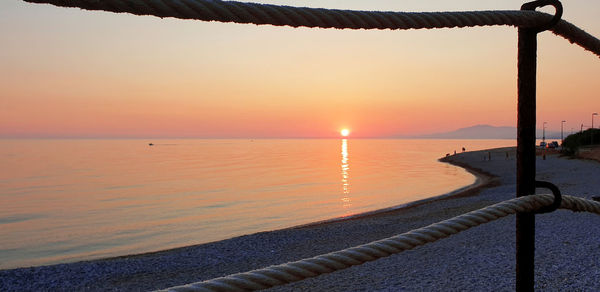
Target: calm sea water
<point x="69" y="200"/>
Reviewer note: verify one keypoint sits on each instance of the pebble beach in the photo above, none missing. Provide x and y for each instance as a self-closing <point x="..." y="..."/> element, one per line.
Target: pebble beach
<point x="481" y="258"/>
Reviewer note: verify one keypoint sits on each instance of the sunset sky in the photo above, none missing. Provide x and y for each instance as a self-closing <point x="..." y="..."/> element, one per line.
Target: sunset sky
<point x="74" y="73"/>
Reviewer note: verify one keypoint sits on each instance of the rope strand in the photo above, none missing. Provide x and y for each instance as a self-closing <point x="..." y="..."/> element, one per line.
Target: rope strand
<point x="262" y="14"/>
<point x="295" y="271"/>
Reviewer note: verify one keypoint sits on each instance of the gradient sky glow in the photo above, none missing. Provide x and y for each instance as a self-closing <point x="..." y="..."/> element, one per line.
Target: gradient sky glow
<point x="74" y="73"/>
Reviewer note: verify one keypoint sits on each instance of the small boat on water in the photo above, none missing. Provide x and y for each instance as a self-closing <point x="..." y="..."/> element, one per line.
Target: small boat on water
<point x="150" y="144"/>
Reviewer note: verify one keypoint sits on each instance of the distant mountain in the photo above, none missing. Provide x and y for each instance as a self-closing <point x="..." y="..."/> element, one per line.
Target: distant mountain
<point x="485" y="132"/>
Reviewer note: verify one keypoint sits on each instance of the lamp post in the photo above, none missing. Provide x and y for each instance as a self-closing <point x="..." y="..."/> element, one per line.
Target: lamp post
<point x="544" y="132"/>
<point x="562" y="140"/>
<point x="592" y="133"/>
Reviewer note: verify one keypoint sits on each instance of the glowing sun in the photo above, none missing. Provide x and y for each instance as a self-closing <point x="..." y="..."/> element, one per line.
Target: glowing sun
<point x="345" y="132"/>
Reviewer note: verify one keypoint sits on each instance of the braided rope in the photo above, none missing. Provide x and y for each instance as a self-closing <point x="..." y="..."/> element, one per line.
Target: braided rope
<point x="334" y="261"/>
<point x="240" y="12"/>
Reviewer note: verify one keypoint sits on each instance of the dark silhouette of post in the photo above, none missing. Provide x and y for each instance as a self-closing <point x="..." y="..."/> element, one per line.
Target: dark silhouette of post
<point x="525" y="224"/>
<point x="592" y="132"/>
<point x="526" y="121"/>
<point x="562" y="140"/>
<point x="544" y="132"/>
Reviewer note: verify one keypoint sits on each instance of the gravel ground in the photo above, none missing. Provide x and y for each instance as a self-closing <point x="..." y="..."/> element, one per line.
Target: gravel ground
<point x="480" y="259"/>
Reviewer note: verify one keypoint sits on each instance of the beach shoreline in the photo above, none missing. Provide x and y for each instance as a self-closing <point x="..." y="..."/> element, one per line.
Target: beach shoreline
<point x="483" y="180"/>
<point x="491" y="244"/>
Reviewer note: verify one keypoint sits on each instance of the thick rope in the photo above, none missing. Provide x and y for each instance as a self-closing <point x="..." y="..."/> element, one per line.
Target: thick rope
<point x="334" y="261"/>
<point x="239" y="12"/>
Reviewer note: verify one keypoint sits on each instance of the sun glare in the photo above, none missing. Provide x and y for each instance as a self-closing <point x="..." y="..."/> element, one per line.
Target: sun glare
<point x="345" y="132"/>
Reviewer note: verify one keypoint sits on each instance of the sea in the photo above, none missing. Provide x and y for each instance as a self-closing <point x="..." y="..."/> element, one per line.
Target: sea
<point x="66" y="200"/>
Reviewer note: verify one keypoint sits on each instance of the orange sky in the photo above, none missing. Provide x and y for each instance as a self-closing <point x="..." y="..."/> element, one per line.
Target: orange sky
<point x="73" y="73"/>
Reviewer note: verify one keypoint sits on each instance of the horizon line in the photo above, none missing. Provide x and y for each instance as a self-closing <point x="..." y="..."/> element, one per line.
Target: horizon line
<point x="246" y="138"/>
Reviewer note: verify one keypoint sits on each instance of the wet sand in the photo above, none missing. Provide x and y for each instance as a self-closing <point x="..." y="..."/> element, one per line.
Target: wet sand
<point x="481" y="258"/>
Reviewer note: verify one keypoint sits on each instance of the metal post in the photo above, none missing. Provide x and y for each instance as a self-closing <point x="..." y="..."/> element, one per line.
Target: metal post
<point x="592" y="132"/>
<point x="544" y="131"/>
<point x="526" y="108"/>
<point x="562" y="139"/>
<point x="526" y="155"/>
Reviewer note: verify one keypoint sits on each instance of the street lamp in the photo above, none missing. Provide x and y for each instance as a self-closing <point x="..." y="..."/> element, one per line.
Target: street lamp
<point x="544" y="132"/>
<point x="592" y="133"/>
<point x="562" y="140"/>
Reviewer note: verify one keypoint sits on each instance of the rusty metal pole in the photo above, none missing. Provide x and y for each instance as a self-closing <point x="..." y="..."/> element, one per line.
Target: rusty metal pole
<point x="526" y="119"/>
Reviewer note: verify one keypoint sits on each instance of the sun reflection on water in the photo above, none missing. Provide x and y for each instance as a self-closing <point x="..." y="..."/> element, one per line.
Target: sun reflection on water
<point x="347" y="202"/>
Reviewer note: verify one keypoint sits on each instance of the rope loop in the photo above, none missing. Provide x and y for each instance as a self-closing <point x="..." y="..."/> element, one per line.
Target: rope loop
<point x="541" y="3"/>
<point x="557" y="196"/>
